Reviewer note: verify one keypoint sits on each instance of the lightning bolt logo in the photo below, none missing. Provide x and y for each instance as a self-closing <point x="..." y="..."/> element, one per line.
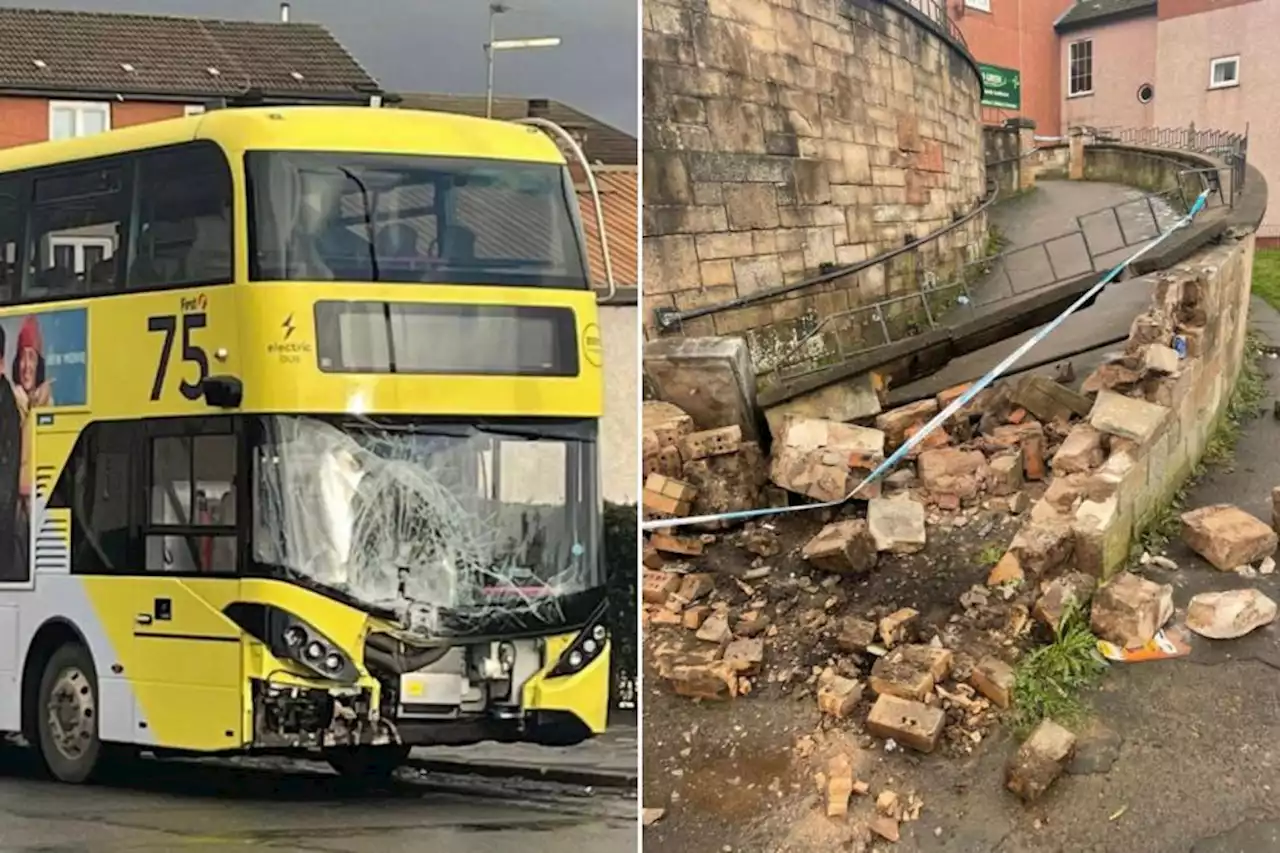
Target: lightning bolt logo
<point x="288" y="327"/>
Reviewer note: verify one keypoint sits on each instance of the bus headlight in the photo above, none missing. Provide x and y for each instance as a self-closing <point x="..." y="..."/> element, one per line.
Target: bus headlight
<point x="585" y="648"/>
<point x="303" y="644"/>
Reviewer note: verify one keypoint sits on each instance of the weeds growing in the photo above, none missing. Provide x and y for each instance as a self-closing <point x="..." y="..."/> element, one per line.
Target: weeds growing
<point x="1051" y="678"/>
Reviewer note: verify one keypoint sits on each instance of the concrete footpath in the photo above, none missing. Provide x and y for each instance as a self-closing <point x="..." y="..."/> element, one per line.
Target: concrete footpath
<point x="607" y="761"/>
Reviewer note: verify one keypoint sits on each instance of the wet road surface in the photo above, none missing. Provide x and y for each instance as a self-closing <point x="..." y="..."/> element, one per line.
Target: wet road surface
<point x="166" y="807"/>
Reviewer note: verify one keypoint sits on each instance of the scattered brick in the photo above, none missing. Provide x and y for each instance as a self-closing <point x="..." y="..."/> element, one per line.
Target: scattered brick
<point x="1017" y="416"/>
<point x="745" y="655"/>
<point x="694" y="587"/>
<point x="761" y="542"/>
<point x="1112" y="376"/>
<point x="952" y="471"/>
<point x="752" y="624"/>
<point x="711" y="442"/>
<point x="839" y="785"/>
<point x="950" y="395"/>
<point x="896" y="524"/>
<point x="1160" y="359"/>
<point x="994" y="679"/>
<point x="715" y="629"/>
<point x="1230" y="614"/>
<point x="912" y="724"/>
<point x="1048" y="400"/>
<point x="856" y="634"/>
<point x="1040" y="760"/>
<point x="885" y="827"/>
<point x="689" y="546"/>
<point x="1227" y="536"/>
<point x="695" y="616"/>
<point x="657" y="587"/>
<point x="1127" y="417"/>
<point x="910" y="671"/>
<point x="1081" y="452"/>
<point x="812" y="457"/>
<point x="1005" y="474"/>
<point x="899" y="627"/>
<point x="895" y="422"/>
<point x="652" y="559"/>
<point x="1043" y="546"/>
<point x="843" y="547"/>
<point x="704" y="681"/>
<point x="838" y="696"/>
<point x="1129" y="610"/>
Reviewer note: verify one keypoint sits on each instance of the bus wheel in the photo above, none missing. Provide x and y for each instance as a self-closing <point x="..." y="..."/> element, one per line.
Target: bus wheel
<point x="372" y="763"/>
<point x="68" y="715"/>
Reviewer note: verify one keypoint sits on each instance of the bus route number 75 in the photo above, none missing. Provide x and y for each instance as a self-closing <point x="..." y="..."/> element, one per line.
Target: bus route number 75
<point x="191" y="353"/>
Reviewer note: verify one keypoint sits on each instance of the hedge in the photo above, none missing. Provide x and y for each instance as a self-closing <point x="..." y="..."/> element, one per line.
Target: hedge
<point x="622" y="564"/>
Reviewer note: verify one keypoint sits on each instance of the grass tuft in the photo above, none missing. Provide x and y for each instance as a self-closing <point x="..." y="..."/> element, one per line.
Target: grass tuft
<point x="1051" y="678"/>
<point x="990" y="554"/>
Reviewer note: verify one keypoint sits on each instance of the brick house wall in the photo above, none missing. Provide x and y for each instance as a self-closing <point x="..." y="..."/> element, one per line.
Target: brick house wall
<point x="25" y="120"/>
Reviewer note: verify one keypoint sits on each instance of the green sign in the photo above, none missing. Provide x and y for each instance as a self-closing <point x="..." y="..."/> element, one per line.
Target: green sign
<point x="1001" y="87"/>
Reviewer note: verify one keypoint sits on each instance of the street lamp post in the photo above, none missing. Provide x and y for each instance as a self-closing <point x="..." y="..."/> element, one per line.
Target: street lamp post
<point x="495" y="44"/>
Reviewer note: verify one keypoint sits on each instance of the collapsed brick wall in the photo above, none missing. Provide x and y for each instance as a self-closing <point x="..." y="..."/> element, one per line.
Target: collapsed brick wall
<point x="1153" y="416"/>
<point x="784" y="136"/>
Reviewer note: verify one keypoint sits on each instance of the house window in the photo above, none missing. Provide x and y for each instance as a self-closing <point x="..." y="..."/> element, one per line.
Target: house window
<point x="1224" y="72"/>
<point x="1080" y="68"/>
<point x="979" y="5"/>
<point x="69" y="119"/>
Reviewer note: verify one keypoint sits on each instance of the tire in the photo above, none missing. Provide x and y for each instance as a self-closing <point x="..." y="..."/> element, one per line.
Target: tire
<point x="67" y="715"/>
<point x="369" y="763"/>
<point x="561" y="731"/>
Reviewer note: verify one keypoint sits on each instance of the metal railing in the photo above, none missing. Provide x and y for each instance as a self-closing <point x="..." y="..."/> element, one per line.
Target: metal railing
<point x="1229" y="147"/>
<point x="936" y="11"/>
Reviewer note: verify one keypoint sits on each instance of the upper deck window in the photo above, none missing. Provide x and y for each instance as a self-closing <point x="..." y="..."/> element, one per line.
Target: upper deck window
<point x="375" y="217"/>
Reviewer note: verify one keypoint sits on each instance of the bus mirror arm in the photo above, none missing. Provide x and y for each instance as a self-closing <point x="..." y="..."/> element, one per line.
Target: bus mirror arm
<point x="224" y="392"/>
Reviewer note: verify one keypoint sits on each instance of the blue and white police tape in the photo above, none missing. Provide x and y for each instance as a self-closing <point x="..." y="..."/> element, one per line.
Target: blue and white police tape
<point x="956" y="405"/>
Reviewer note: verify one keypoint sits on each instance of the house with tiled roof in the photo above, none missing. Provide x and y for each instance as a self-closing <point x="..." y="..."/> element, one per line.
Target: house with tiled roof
<point x="68" y="74"/>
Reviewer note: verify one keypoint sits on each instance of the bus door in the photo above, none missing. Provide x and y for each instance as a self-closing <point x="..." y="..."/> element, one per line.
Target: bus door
<point x="187" y="657"/>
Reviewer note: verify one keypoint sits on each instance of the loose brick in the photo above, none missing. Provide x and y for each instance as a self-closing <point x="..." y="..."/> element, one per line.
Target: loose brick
<point x="1160" y="359"/>
<point x="671" y="488"/>
<point x="838" y="696"/>
<point x="843" y="547"/>
<point x="1129" y="610"/>
<point x="912" y="724"/>
<point x="715" y="629"/>
<point x="856" y="634"/>
<point x="1080" y="453"/>
<point x="896" y="524"/>
<point x="695" y="616"/>
<point x="895" y="422"/>
<point x="994" y="679"/>
<point x="839" y="785"/>
<point x="689" y="546"/>
<point x="695" y="586"/>
<point x="1227" y="536"/>
<point x="658" y="586"/>
<point x="711" y="442"/>
<point x="652" y="559"/>
<point x="704" y="681"/>
<point x="1005" y="474"/>
<point x="1072" y="589"/>
<point x="910" y="671"/>
<point x="1126" y="417"/>
<point x="899" y="626"/>
<point x="1007" y="570"/>
<point x="745" y="655"/>
<point x="1040" y="760"/>
<point x="660" y="504"/>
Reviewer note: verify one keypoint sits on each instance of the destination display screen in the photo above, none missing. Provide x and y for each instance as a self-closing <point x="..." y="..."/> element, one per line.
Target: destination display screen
<point x="435" y="338"/>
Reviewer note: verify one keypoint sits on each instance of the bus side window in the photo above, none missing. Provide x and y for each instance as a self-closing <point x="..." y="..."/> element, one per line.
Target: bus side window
<point x="191" y="514"/>
<point x="10" y="239"/>
<point x="78" y="224"/>
<point x="184" y="210"/>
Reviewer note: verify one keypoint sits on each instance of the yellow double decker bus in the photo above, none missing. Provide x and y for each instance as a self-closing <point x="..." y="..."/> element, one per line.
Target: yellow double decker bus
<point x="297" y="440"/>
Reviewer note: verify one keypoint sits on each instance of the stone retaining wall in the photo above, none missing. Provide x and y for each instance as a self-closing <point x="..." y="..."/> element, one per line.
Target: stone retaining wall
<point x="786" y="137"/>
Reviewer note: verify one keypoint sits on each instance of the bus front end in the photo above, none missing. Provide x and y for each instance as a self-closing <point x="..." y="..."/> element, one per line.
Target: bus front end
<point x="426" y="458"/>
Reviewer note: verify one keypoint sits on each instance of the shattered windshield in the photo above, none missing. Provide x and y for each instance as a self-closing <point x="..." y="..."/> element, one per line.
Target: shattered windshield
<point x="453" y="528"/>
<point x="380" y="217"/>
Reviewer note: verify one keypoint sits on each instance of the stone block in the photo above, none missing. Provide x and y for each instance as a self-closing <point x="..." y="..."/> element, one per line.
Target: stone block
<point x="897" y="524"/>
<point x="1136" y="420"/>
<point x="1227" y="536"/>
<point x="695" y="586"/>
<point x="689" y="546"/>
<point x="711" y="442"/>
<point x="710" y="379"/>
<point x="850" y="400"/>
<point x="1080" y="452"/>
<point x="1049" y="400"/>
<point x="1042" y="547"/>
<point x="1229" y="614"/>
<point x="843" y="547"/>
<point x="704" y="680"/>
<point x="715" y="628"/>
<point x="1005" y="474"/>
<point x="1129" y="610"/>
<point x="1040" y="760"/>
<point x="1112" y="376"/>
<point x="952" y="471"/>
<point x="838" y="696"/>
<point x="854" y="634"/>
<point x="745" y="655"/>
<point x="994" y="679"/>
<point x="1102" y="531"/>
<point x="812" y="457"/>
<point x="729" y="482"/>
<point x="910" y="671"/>
<point x="693" y="617"/>
<point x="1160" y="359"/>
<point x="910" y="723"/>
<point x="899" y="626"/>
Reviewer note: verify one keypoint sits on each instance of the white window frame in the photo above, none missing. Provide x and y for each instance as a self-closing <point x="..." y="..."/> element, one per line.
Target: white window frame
<point x="1070" y="48"/>
<point x="193" y="110"/>
<point x="78" y="245"/>
<point x="978" y="5"/>
<point x="1223" y="60"/>
<point x="80" y="108"/>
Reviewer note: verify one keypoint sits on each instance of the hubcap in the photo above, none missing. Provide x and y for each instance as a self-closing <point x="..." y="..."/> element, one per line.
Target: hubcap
<point x="72" y="713"/>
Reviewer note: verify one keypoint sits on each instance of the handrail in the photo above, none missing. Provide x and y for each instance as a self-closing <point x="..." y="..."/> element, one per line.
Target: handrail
<point x="567" y="138"/>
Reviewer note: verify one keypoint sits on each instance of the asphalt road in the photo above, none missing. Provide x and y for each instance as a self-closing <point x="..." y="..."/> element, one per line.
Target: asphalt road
<point x="288" y="807"/>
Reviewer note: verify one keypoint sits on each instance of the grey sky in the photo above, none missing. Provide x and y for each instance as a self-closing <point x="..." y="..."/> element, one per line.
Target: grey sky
<point x="436" y="45"/>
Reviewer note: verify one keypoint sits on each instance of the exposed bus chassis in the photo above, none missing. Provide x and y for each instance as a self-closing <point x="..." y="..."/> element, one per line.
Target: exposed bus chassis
<point x="313" y="718"/>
